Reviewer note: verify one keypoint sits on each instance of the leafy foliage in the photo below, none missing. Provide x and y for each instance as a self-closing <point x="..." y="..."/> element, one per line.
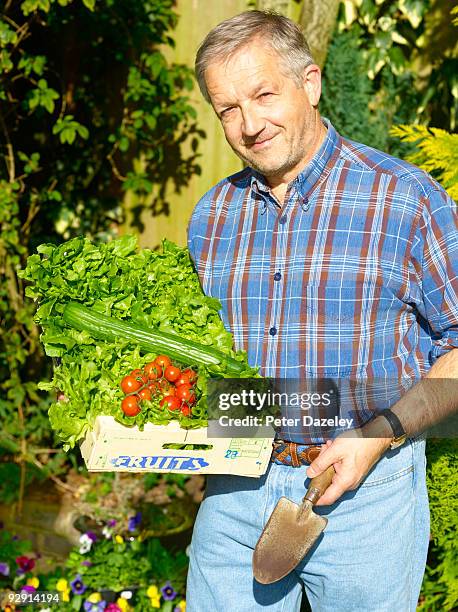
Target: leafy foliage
<point x="355" y="106"/>
<point x="436" y="152"/>
<point x="85" y="93"/>
<point x="391" y="63"/>
<point x="347" y="93"/>
<point x="440" y="587"/>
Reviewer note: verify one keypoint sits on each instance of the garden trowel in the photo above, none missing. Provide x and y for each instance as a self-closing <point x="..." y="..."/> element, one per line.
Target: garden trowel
<point x="291" y="531"/>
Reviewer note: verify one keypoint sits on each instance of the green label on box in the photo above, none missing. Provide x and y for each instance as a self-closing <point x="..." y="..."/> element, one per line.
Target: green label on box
<point x="246" y="447"/>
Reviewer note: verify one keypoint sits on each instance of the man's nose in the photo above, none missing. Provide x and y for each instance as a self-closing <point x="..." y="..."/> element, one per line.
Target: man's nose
<point x="252" y="122"/>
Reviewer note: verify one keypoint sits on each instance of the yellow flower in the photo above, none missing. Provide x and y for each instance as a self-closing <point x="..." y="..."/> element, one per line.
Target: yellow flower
<point x="153" y="592"/>
<point x="154" y="595"/>
<point x="94" y="597"/>
<point x="33" y="582"/>
<point x="66" y="595"/>
<point x="119" y="539"/>
<point x="182" y="605"/>
<point x="62" y="585"/>
<point x="123" y="604"/>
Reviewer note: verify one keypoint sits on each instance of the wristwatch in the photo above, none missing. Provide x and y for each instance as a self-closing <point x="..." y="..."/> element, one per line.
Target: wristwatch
<point x="399" y="434"/>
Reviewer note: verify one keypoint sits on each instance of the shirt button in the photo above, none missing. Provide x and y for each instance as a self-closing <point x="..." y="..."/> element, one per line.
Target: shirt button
<point x="282" y="220"/>
<point x="273" y="331"/>
<point x="277" y="276"/>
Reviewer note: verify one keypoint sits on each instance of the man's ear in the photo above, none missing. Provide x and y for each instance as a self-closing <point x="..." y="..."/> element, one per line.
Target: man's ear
<point x="312" y="83"/>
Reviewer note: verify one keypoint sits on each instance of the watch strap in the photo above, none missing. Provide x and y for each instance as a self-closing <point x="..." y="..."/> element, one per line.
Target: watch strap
<point x="395" y="423"/>
<point x="399" y="434"/>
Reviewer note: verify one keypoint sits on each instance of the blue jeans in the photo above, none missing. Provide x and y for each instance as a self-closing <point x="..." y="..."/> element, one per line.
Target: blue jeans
<point x="370" y="558"/>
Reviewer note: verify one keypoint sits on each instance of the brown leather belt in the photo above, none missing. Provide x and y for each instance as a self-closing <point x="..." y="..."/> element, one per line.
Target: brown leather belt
<point x="293" y="453"/>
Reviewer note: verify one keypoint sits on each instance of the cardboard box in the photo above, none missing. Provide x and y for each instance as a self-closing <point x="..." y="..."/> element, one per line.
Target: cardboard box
<point x="111" y="447"/>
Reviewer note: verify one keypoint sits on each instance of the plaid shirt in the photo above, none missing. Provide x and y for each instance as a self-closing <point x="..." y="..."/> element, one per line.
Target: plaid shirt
<point x="353" y="277"/>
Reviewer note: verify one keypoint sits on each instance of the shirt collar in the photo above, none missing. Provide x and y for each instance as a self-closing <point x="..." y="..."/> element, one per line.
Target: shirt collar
<point x="307" y="178"/>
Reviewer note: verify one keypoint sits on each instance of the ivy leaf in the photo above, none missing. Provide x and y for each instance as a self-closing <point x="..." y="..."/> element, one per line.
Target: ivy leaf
<point x="43" y="96"/>
<point x="90" y="4"/>
<point x="413" y="10"/>
<point x="123" y="144"/>
<point x="397" y="59"/>
<point x="31" y="163"/>
<point x="29" y="6"/>
<point x="67" y="129"/>
<point x="5" y="63"/>
<point x="32" y="63"/>
<point x="138" y="183"/>
<point x="7" y="35"/>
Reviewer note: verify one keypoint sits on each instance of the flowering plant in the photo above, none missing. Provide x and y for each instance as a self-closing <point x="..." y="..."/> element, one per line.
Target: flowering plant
<point x="109" y="572"/>
<point x="16" y="561"/>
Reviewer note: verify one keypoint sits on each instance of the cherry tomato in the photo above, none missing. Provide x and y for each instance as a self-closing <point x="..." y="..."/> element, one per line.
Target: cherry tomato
<point x="152" y="370"/>
<point x="165" y="387"/>
<point x="170" y="402"/>
<point x="186" y="410"/>
<point x="192" y="375"/>
<point x="144" y="394"/>
<point x="185" y="394"/>
<point x="129" y="384"/>
<point x="183" y="379"/>
<point x="138" y="375"/>
<point x="154" y="387"/>
<point x="163" y="361"/>
<point x="130" y="406"/>
<point x="172" y="373"/>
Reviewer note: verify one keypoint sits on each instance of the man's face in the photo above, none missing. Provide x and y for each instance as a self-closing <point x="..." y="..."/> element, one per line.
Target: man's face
<point x="268" y="120"/>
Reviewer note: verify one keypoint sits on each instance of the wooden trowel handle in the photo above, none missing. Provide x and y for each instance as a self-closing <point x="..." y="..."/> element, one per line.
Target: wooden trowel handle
<point x="319" y="484"/>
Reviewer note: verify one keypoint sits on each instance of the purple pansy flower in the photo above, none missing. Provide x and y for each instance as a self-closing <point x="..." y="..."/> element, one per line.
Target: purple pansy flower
<point x="89" y="606"/>
<point x="28" y="588"/>
<point x="111" y="523"/>
<point x="91" y="535"/>
<point x="86" y="563"/>
<point x="168" y="592"/>
<point x="134" y="521"/>
<point x="112" y="607"/>
<point x="77" y="585"/>
<point x="4" y="569"/>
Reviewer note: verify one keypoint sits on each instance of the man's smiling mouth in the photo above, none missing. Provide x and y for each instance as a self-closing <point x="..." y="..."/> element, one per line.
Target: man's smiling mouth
<point x="260" y="144"/>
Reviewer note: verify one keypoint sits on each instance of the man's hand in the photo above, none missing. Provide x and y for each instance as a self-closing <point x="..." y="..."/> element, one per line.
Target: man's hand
<point x="352" y="458"/>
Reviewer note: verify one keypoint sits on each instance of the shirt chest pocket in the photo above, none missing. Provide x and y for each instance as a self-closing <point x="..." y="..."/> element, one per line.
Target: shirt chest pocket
<point x="346" y="305"/>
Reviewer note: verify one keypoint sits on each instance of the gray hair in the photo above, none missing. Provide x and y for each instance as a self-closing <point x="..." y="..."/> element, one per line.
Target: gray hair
<point x="281" y="34"/>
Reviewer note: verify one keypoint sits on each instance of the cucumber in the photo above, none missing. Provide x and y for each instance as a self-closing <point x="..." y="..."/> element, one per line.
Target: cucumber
<point x="110" y="329"/>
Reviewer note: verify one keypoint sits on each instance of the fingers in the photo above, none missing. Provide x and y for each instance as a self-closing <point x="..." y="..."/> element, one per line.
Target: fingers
<point x="326" y="458"/>
<point x="335" y="490"/>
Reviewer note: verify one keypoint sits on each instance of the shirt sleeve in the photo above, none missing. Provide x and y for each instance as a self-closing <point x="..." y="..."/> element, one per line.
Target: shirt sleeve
<point x="197" y="229"/>
<point x="194" y="242"/>
<point x="435" y="252"/>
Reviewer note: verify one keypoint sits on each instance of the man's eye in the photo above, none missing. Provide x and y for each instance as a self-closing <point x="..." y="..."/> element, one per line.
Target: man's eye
<point x="226" y="111"/>
<point x="266" y="94"/>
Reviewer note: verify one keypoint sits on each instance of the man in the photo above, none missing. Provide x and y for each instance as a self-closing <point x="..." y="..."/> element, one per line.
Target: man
<point x="330" y="259"/>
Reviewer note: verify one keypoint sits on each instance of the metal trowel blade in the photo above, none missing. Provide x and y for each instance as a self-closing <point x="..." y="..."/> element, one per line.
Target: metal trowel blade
<point x="287" y="537"/>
